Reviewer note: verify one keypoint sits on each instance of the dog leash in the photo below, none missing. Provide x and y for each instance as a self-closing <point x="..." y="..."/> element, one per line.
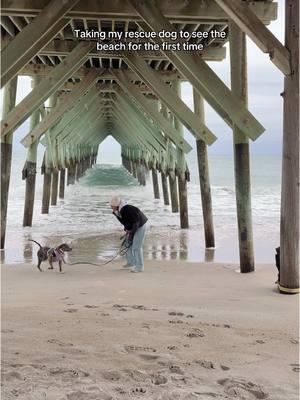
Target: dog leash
<point x="125" y="245"/>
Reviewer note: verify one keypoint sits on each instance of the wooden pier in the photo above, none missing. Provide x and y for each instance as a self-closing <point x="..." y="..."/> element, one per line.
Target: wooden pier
<point x="134" y="96"/>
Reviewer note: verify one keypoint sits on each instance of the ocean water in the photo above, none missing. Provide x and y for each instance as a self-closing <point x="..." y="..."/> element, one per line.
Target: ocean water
<point x="84" y="218"/>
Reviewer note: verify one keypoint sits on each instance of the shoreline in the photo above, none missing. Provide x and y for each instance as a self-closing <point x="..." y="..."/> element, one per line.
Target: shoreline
<point x="177" y="331"/>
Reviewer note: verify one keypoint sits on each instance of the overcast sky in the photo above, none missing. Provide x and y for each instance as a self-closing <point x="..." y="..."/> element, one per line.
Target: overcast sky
<point x="265" y="83"/>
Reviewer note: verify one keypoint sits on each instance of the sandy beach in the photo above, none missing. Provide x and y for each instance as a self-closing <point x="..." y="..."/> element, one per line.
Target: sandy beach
<point x="177" y="331"/>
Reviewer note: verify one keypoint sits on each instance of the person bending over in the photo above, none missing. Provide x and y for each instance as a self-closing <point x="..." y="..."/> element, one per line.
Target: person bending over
<point x="134" y="222"/>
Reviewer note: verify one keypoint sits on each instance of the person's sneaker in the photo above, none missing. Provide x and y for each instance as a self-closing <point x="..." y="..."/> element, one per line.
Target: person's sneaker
<point x="136" y="270"/>
<point x="127" y="266"/>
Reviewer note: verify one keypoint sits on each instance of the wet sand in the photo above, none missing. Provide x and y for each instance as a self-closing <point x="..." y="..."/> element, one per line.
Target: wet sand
<point x="177" y="331"/>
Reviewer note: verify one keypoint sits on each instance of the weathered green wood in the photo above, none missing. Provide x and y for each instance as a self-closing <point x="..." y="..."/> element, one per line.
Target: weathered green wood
<point x="45" y="88"/>
<point x="33" y="38"/>
<point x="290" y="188"/>
<point x="238" y="59"/>
<point x="29" y="170"/>
<point x="165" y="94"/>
<point x="250" y="24"/>
<point x="204" y="177"/>
<point x="61" y="109"/>
<point x="202" y="72"/>
<point x="9" y="100"/>
<point x="134" y="126"/>
<point x="162" y="122"/>
<point x="193" y="10"/>
<point x="69" y="119"/>
<point x="155" y="182"/>
<point x="140" y="117"/>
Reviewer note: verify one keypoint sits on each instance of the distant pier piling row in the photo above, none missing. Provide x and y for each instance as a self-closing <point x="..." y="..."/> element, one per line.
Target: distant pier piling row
<point x="81" y="96"/>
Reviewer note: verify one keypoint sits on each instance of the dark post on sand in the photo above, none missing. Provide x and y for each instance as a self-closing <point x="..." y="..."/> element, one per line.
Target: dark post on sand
<point x="9" y="100"/>
<point x="290" y="188"/>
<point x="238" y="60"/>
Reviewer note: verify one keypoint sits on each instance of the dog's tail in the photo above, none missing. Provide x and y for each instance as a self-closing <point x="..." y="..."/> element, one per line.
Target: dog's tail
<point x="31" y="240"/>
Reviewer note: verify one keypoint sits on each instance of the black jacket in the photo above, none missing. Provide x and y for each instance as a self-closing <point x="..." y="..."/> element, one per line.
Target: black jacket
<point x="132" y="218"/>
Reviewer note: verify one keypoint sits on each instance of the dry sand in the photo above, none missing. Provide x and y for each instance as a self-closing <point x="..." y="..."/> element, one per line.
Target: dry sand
<point x="177" y="331"/>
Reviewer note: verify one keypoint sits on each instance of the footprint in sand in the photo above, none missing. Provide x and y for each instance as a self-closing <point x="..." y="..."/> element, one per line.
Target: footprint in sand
<point x="80" y="395"/>
<point x="224" y="367"/>
<point x="138" y="390"/>
<point x="149" y="357"/>
<point x="71" y="310"/>
<point x="90" y="306"/>
<point x="175" y="321"/>
<point x="111" y="375"/>
<point x="178" y="313"/>
<point x="171" y="347"/>
<point x="296" y="367"/>
<point x="56" y="341"/>
<point x="175" y="369"/>
<point x="242" y="389"/>
<point x="11" y="375"/>
<point x="133" y="348"/>
<point x="68" y="373"/>
<point x="205" y="364"/>
<point x="195" y="333"/>
<point x="294" y="341"/>
<point x="159" y="379"/>
<point x="7" y="331"/>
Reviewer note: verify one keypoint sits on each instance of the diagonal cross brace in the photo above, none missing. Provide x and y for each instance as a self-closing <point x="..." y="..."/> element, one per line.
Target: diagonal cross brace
<point x="46" y="87"/>
<point x="33" y="38"/>
<point x="202" y="73"/>
<point x="61" y="108"/>
<point x="173" y="102"/>
<point x="159" y="119"/>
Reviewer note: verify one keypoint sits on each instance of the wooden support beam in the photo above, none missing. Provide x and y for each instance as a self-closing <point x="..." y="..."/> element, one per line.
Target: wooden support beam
<point x="128" y="110"/>
<point x="54" y="187"/>
<point x="45" y="88"/>
<point x="192" y="11"/>
<point x="61" y="48"/>
<point x="44" y="70"/>
<point x="238" y="60"/>
<point x="166" y="95"/>
<point x="160" y="120"/>
<point x="198" y="71"/>
<point x="155" y="182"/>
<point x="61" y="109"/>
<point x="62" y="177"/>
<point x="250" y="24"/>
<point x="33" y="38"/>
<point x="204" y="177"/>
<point x="193" y="80"/>
<point x="290" y="187"/>
<point x="29" y="170"/>
<point x="9" y="100"/>
<point x="181" y="171"/>
<point x="47" y="172"/>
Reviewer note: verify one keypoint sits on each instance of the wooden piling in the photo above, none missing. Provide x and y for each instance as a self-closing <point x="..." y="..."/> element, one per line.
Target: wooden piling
<point x="181" y="169"/>
<point x="62" y="177"/>
<point x="238" y="59"/>
<point x="173" y="191"/>
<point x="155" y="183"/>
<point x="9" y="100"/>
<point x="290" y="188"/>
<point x="54" y="187"/>
<point x="29" y="170"/>
<point x="164" y="184"/>
<point x="46" y="171"/>
<point x="204" y="176"/>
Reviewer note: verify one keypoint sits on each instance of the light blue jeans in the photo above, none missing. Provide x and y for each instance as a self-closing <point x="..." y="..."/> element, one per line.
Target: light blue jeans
<point x="134" y="255"/>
